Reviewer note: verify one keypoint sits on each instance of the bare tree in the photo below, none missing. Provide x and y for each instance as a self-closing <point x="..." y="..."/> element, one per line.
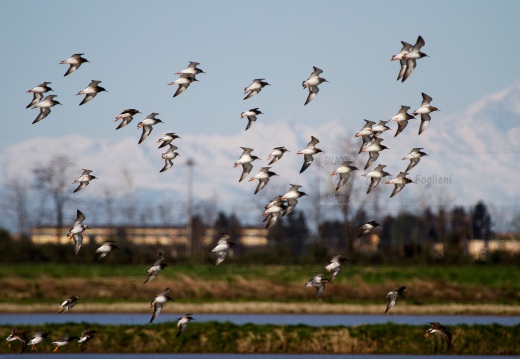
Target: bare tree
<point x="52" y="180"/>
<point x="351" y="194"/>
<point x="15" y="204"/>
<point x="128" y="207"/>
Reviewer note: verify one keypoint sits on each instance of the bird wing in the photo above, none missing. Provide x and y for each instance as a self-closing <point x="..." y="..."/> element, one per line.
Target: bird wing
<point x="402" y="70"/>
<point x="401" y="125"/>
<point x="334" y="273"/>
<point x="307" y="161"/>
<point x="374" y="181"/>
<point x="221" y="256"/>
<point x="313" y="91"/>
<point x="167" y="164"/>
<point x="410" y="66"/>
<point x="390" y="304"/>
<point x="319" y="290"/>
<point x="250" y="121"/>
<point x="147" y="129"/>
<point x="44" y="112"/>
<point x="81" y="186"/>
<point x="78" y="240"/>
<point x="261" y="184"/>
<point x="413" y="163"/>
<point x="37" y="97"/>
<point x="372" y="157"/>
<point x="251" y="94"/>
<point x="156" y="311"/>
<point x="181" y="327"/>
<point x="397" y="189"/>
<point x="99" y="256"/>
<point x="87" y="98"/>
<point x="160" y="260"/>
<point x="291" y="204"/>
<point x="426" y="99"/>
<point x="419" y="43"/>
<point x="181" y="89"/>
<point x="247" y="167"/>
<point x="80" y="217"/>
<point x="126" y="121"/>
<point x="425" y="121"/>
<point x="71" y="69"/>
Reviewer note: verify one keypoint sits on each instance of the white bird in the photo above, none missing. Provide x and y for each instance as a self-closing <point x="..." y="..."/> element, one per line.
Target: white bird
<point x="400" y="181"/>
<point x="168" y="157"/>
<point x="312" y="84"/>
<point x="75" y="62"/>
<point x="64" y="340"/>
<point x="367" y="129"/>
<point x="373" y="149"/>
<point x="404" y="50"/>
<point x="184" y="81"/>
<point x="255" y="87"/>
<point x="86" y="335"/>
<point x="182" y="323"/>
<point x="263" y="177"/>
<point x="38" y="92"/>
<point x="375" y="177"/>
<point x="367" y="228"/>
<point x="127" y="116"/>
<point x="84" y="180"/>
<point x="442" y="330"/>
<point x="411" y="57"/>
<point x="334" y="266"/>
<point x="251" y="116"/>
<point x="425" y="111"/>
<point x="222" y="248"/>
<point x="147" y="124"/>
<point x="293" y="193"/>
<point x="308" y="152"/>
<point x="91" y="91"/>
<point x="414" y="156"/>
<point x="68" y="304"/>
<point x="191" y="69"/>
<point x="37" y="338"/>
<point x="402" y="118"/>
<point x="156" y="267"/>
<point x="317" y="282"/>
<point x="245" y="160"/>
<point x="277" y="154"/>
<point x="158" y="302"/>
<point x="344" y="172"/>
<point x="380" y="128"/>
<point x="167" y="139"/>
<point x="45" y="107"/>
<point x="273" y="211"/>
<point x="76" y="231"/>
<point x="391" y="297"/>
<point x="103" y="250"/>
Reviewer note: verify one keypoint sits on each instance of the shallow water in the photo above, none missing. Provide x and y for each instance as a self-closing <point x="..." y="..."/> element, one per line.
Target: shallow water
<point x="278" y="319"/>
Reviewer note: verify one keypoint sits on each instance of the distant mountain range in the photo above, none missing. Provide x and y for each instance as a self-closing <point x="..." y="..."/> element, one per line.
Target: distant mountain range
<point x="473" y="155"/>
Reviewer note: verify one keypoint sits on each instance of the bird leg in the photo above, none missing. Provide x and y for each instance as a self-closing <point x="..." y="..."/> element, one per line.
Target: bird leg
<point x="56" y="349"/>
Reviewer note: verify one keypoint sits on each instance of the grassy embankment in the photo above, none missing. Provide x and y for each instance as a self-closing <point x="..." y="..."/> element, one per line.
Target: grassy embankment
<point x="215" y="337"/>
<point x="492" y="289"/>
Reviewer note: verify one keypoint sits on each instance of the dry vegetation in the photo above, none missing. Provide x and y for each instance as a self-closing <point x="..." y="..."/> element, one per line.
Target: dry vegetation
<point x="215" y="337"/>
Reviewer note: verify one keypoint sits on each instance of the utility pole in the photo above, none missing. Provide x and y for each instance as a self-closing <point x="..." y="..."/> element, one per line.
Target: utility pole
<point x="190" y="245"/>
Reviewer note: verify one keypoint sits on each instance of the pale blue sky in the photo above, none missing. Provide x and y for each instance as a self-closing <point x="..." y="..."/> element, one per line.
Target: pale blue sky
<point x="135" y="47"/>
